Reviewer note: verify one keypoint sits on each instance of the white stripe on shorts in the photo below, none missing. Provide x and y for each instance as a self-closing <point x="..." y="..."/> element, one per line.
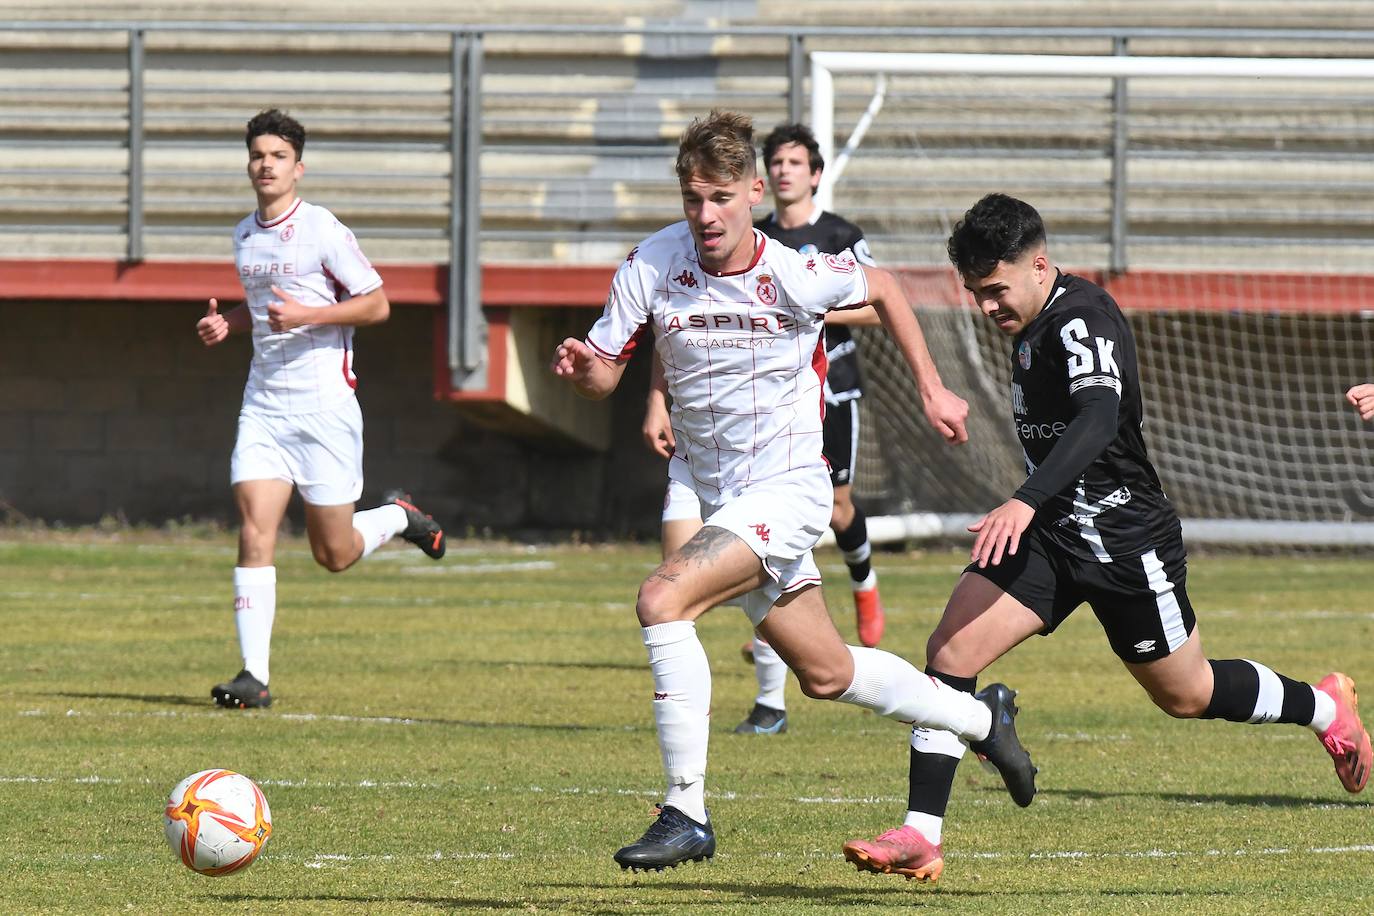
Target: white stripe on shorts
<point x="1170" y="615"/>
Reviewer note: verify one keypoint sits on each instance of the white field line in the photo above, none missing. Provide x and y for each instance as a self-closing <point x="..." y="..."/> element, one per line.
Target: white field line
<point x="323" y="860"/>
<point x="418" y="721"/>
<point x="262" y="714"/>
<point x="589" y="791"/>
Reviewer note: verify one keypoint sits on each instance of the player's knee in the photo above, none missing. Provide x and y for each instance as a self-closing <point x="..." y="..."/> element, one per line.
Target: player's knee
<point x="332" y="558"/>
<point x="657" y="602"/>
<point x="822" y="683"/>
<point x="1181" y="705"/>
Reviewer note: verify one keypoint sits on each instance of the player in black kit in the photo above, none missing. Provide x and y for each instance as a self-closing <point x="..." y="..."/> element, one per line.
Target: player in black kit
<point x="794" y="163"/>
<point x="1090" y="524"/>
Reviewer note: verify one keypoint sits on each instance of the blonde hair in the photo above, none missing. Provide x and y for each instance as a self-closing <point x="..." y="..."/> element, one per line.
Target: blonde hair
<point x="719" y="147"/>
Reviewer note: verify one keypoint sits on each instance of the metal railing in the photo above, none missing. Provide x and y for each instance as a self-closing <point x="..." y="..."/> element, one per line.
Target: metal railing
<point x="455" y="131"/>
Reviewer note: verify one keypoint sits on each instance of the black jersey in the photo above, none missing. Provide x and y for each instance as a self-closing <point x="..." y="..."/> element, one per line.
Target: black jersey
<point x="1075" y="396"/>
<point x="829" y="234"/>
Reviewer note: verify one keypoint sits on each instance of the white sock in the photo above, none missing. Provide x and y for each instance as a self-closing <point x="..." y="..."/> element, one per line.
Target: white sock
<point x="890" y="686"/>
<point x="927" y="825"/>
<point x="255" y="607"/>
<point x="682" y="711"/>
<point x="771" y="672"/>
<point x="379" y="525"/>
<point x="869" y="583"/>
<point x="1325" y="712"/>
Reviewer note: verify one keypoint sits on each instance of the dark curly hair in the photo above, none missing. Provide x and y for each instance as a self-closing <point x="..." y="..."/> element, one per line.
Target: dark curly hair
<point x="799" y="134"/>
<point x="279" y="124"/>
<point x="997" y="228"/>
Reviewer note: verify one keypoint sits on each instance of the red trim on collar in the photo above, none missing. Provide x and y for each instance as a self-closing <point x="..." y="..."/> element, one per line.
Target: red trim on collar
<point x="279" y="220"/>
<point x="758" y="253"/>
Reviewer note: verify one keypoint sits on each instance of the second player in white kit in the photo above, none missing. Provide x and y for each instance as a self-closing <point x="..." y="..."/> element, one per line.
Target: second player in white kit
<point x="306" y="285"/>
<point x="737" y="320"/>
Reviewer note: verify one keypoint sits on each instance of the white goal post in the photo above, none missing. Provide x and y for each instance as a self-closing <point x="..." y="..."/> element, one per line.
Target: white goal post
<point x="1282" y="368"/>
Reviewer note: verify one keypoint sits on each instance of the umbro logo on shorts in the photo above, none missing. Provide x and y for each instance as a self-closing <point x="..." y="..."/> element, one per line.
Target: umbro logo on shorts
<point x="1145" y="645"/>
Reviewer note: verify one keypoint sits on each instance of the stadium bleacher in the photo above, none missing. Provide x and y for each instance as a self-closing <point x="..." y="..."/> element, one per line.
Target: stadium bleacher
<point x="578" y="127"/>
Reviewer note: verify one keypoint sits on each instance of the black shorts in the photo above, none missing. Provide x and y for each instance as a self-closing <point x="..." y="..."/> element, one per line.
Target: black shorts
<point x="1141" y="600"/>
<point x="840" y="440"/>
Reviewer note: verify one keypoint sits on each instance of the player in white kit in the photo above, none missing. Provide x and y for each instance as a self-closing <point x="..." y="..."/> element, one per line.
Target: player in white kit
<point x="306" y="286"/>
<point x="737" y="322"/>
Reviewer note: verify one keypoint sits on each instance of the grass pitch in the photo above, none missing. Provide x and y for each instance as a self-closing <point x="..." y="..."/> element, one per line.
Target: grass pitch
<point x="475" y="736"/>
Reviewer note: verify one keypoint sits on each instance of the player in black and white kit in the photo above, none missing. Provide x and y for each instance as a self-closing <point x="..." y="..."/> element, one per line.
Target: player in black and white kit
<point x="793" y="160"/>
<point x="1090" y="524"/>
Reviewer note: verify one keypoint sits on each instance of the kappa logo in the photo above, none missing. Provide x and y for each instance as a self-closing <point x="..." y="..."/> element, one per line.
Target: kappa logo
<point x="687" y="279"/>
<point x="288" y="232"/>
<point x="1145" y="645"/>
<point x="762" y="531"/>
<point x="767" y="290"/>
<point x="630" y="258"/>
<point x="811" y="264"/>
<point x="660" y="696"/>
<point x="838" y="264"/>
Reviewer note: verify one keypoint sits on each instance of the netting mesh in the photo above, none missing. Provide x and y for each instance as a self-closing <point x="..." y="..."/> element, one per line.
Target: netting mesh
<point x="1249" y="221"/>
<point x="1245" y="410"/>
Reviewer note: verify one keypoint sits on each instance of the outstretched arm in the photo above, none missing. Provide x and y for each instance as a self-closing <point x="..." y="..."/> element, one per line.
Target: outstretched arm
<point x="944" y="409"/>
<point x="1092" y="429"/>
<point x="592" y="376"/>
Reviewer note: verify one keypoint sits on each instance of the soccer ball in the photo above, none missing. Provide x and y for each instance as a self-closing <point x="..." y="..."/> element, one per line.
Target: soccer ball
<point x="217" y="822"/>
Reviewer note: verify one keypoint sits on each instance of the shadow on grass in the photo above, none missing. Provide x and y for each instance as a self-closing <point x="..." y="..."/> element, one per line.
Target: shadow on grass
<point x="601" y="898"/>
<point x="1215" y="798"/>
<point x="208" y="706"/>
<point x="156" y="699"/>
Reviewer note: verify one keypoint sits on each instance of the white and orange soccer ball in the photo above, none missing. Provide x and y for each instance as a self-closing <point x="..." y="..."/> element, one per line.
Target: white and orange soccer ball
<point x="217" y="822"/>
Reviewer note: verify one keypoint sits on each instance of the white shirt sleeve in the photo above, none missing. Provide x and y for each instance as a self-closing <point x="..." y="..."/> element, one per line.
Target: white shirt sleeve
<point x="344" y="260"/>
<point x="821" y="282"/>
<point x="627" y="310"/>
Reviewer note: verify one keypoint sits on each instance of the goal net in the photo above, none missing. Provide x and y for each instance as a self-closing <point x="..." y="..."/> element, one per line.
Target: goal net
<point x="1224" y="202"/>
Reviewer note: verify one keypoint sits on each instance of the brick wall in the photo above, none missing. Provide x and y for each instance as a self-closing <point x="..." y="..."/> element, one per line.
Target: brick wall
<point x="113" y="408"/>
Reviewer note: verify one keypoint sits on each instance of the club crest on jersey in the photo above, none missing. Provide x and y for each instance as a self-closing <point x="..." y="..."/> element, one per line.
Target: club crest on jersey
<point x="1023" y="354"/>
<point x="288" y="231"/>
<point x="767" y="290"/>
<point x="838" y="264"/>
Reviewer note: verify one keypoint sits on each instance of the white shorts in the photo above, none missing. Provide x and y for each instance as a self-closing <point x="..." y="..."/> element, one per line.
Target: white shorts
<point x="781" y="519"/>
<point x="680" y="502"/>
<point x="321" y="453"/>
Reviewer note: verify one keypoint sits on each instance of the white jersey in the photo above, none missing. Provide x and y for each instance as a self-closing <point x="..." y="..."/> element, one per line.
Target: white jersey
<point x="743" y="353"/>
<point x="313" y="257"/>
